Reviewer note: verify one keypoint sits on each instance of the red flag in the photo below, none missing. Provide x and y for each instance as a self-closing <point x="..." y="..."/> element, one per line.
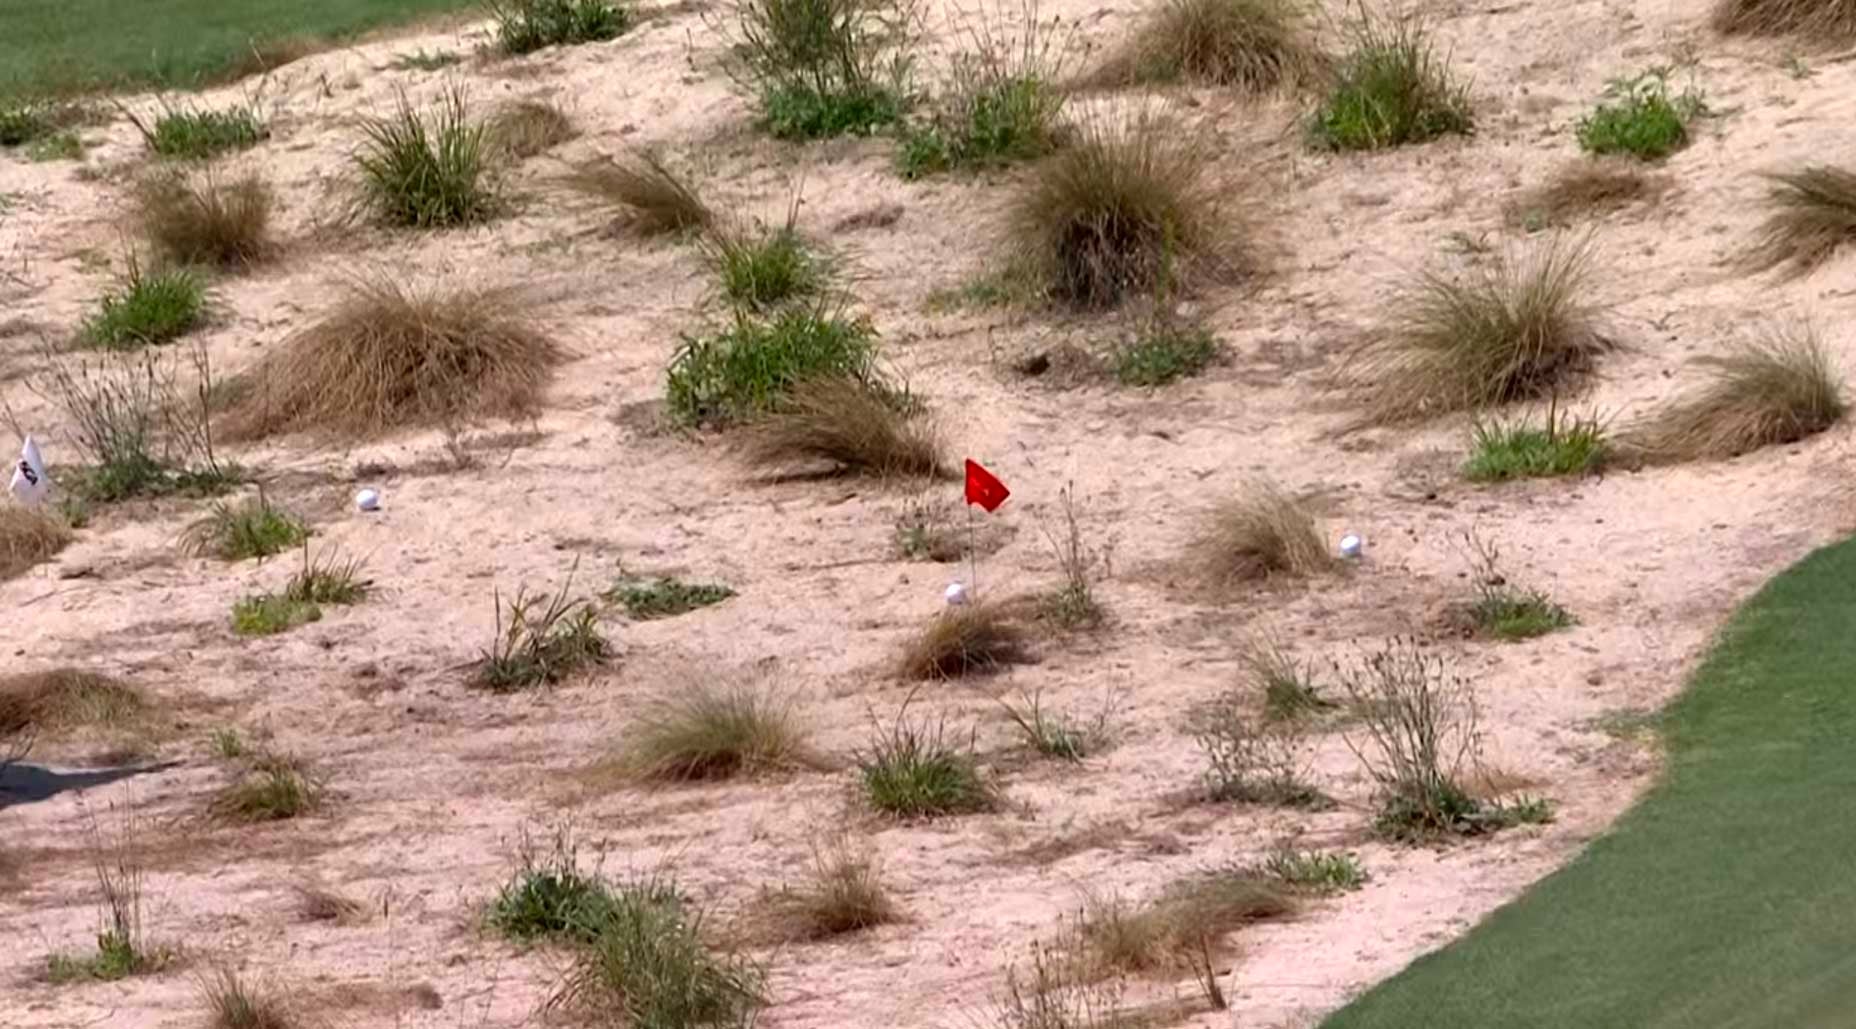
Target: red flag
<point x="984" y="488"/>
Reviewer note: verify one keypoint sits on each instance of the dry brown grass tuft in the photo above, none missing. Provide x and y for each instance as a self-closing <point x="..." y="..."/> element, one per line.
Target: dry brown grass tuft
<point x="204" y="220"/>
<point x="653" y="199"/>
<point x="843" y="893"/>
<point x="65" y="699"/>
<point x="855" y="425"/>
<point x="234" y="1003"/>
<point x="1517" y="327"/>
<point x="1777" y="389"/>
<point x="710" y="731"/>
<point x="1585" y="188"/>
<point x="974" y="637"/>
<point x="392" y="357"/>
<point x="1260" y="534"/>
<point x="1252" y="45"/>
<point x="527" y="128"/>
<point x="1813" y="216"/>
<point x="318" y="903"/>
<point x="28" y="538"/>
<point x="1191" y="914"/>
<point x="1809" y="19"/>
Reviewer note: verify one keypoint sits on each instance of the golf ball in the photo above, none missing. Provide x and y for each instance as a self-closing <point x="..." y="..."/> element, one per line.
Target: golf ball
<point x="1351" y="545"/>
<point x="367" y="500"/>
<point x="956" y="593"/>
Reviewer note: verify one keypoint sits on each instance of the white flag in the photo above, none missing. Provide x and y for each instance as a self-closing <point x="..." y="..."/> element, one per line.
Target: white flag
<point x="30" y="483"/>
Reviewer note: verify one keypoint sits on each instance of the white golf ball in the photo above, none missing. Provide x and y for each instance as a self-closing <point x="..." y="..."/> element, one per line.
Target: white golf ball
<point x="1351" y="546"/>
<point x="367" y="500"/>
<point x="956" y="593"/>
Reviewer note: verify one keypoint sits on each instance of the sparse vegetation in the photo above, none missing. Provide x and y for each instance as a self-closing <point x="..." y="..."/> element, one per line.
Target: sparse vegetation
<point x="852" y="424"/>
<point x="540" y="640"/>
<point x="707" y="731"/>
<point x="228" y="744"/>
<point x="328" y="580"/>
<point x="390" y="357"/>
<point x="270" y="788"/>
<point x="1001" y="103"/>
<point x="146" y="308"/>
<point x="252" y="528"/>
<point x="1775" y="389"/>
<point x="665" y="597"/>
<point x="1640" y="118"/>
<point x="1200" y="910"/>
<point x="422" y="60"/>
<point x="1583" y="189"/>
<point x="22" y="123"/>
<point x="911" y="770"/>
<point x="1251" y="761"/>
<point x="823" y="68"/>
<point x="1254" y="46"/>
<point x="122" y="948"/>
<point x="28" y="537"/>
<point x="1164" y="353"/>
<point x="268" y="614"/>
<point x="1074" y="604"/>
<point x="548" y="896"/>
<point x="751" y="367"/>
<point x="207" y="221"/>
<point x="1125" y="210"/>
<point x="1391" y="89"/>
<point x="977" y="636"/>
<point x="1806" y="19"/>
<point x="1314" y="872"/>
<point x="1813" y="217"/>
<point x="427" y="171"/>
<point x="1286" y="685"/>
<point x="197" y="134"/>
<point x="1060" y="991"/>
<point x="525" y="26"/>
<point x="1515" y="328"/>
<point x="1502" y="609"/>
<point x="925" y="532"/>
<point x="1055" y="735"/>
<point x="233" y="1003"/>
<point x="762" y="270"/>
<point x="653" y="198"/>
<point x="843" y="893"/>
<point x="1262" y="533"/>
<point x="526" y="128"/>
<point x="1564" y="445"/>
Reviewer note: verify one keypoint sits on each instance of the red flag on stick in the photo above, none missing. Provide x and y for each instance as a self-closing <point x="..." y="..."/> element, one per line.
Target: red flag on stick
<point x="984" y="488"/>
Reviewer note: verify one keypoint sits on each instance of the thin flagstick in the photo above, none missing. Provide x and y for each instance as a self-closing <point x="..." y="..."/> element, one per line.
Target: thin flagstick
<point x="973" y="566"/>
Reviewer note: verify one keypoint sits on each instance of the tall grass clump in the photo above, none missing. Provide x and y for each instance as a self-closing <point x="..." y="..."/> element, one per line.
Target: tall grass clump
<point x="1516" y="328"/>
<point x="391" y="356"/>
<point x="197" y="134"/>
<point x="641" y="961"/>
<point x="911" y="770"/>
<point x="28" y="537"/>
<point x="842" y="893"/>
<point x="1833" y="20"/>
<point x="525" y="26"/>
<point x="1125" y="210"/>
<point x="1778" y="388"/>
<point x="1639" y="117"/>
<point x="822" y="68"/>
<point x="1253" y="46"/>
<point x="427" y="171"/>
<point x="1391" y="89"/>
<point x="206" y="220"/>
<point x="1001" y="102"/>
<point x="1813" y="216"/>
<point x="540" y="640"/>
<point x="233" y="1003"/>
<point x="712" y="731"/>
<point x="64" y="700"/>
<point x="751" y="367"/>
<point x="970" y="638"/>
<point x="1520" y="449"/>
<point x="652" y="197"/>
<point x="849" y="425"/>
<point x="1262" y="533"/>
<point x="147" y="308"/>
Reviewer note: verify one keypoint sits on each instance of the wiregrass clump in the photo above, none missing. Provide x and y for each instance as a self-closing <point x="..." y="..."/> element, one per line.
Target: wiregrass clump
<point x="764" y="269"/>
<point x="1261" y="534"/>
<point x="1777" y="388"/>
<point x="60" y="701"/>
<point x="427" y="171"/>
<point x="270" y="788"/>
<point x="1806" y="19"/>
<point x="540" y="640"/>
<point x="28" y="537"/>
<point x="206" y="220"/>
<point x="712" y="731"/>
<point x="652" y="197"/>
<point x="850" y="424"/>
<point x="751" y="367"/>
<point x="822" y="68"/>
<point x="391" y="357"/>
<point x="254" y="528"/>
<point x="976" y="637"/>
<point x="147" y="308"/>
<point x="911" y="770"/>
<point x="1391" y="89"/>
<point x="1198" y="911"/>
<point x="548" y="895"/>
<point x="234" y="1003"/>
<point x="1002" y="101"/>
<point x="842" y="893"/>
<point x="1813" y="216"/>
<point x="525" y="26"/>
<point x="328" y="579"/>
<point x="1127" y="209"/>
<point x="1516" y="328"/>
<point x="1253" y="46"/>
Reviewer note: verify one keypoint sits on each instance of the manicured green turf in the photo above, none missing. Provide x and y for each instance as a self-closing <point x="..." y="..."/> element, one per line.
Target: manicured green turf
<point x="56" y="46"/>
<point x="1726" y="898"/>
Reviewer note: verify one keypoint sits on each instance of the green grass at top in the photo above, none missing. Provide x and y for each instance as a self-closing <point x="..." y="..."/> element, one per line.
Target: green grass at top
<point x="1723" y="899"/>
<point x="64" y="46"/>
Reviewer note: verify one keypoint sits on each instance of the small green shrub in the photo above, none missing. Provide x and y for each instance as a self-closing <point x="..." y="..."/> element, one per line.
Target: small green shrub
<point x="1640" y="118"/>
<point x="1500" y="451"/>
<point x="524" y="26"/>
<point x="802" y="112"/>
<point x="251" y="529"/>
<point x="199" y="134"/>
<point x="228" y="744"/>
<point x="1251" y="762"/>
<point x="747" y="369"/>
<point x="268" y="614"/>
<point x="541" y="640"/>
<point x="135" y="431"/>
<point x="825" y="68"/>
<point x="329" y="579"/>
<point x="665" y="597"/>
<point x="910" y="770"/>
<point x="427" y="173"/>
<point x="122" y="947"/>
<point x="1165" y="353"/>
<point x="1391" y="90"/>
<point x="548" y="895"/>
<point x="1314" y="871"/>
<point x="763" y="271"/>
<point x="147" y="308"/>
